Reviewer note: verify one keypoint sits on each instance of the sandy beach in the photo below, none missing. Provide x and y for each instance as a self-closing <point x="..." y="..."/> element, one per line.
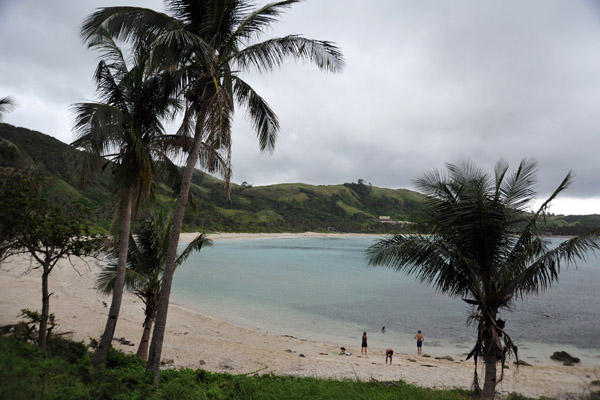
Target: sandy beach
<point x="195" y="340"/>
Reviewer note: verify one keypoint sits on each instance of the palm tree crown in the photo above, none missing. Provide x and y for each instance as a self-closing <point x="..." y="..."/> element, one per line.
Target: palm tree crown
<point x="483" y="245"/>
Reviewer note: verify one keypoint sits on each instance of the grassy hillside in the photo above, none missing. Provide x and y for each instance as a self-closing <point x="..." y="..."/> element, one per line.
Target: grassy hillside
<point x="291" y="207"/>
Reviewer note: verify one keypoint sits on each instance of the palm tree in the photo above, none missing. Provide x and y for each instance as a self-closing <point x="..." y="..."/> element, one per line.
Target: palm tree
<point x="6" y="105"/>
<point x="212" y="42"/>
<point x="145" y="266"/>
<point x="484" y="247"/>
<point x="125" y="127"/>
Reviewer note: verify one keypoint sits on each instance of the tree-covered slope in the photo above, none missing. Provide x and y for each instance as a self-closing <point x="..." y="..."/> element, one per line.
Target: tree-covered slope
<point x="349" y="207"/>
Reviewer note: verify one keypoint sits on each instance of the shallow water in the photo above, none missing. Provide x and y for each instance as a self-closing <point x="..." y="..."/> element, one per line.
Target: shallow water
<point x="322" y="289"/>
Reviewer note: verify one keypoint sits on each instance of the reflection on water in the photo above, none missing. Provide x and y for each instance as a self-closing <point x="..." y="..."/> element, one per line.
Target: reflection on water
<point x="322" y="289"/>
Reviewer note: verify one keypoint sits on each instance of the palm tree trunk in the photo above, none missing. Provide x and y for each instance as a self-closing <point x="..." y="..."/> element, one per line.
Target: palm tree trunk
<point x="489" y="383"/>
<point x="142" y="351"/>
<point x="42" y="334"/>
<point x="165" y="291"/>
<point x="113" y="314"/>
<point x="145" y="340"/>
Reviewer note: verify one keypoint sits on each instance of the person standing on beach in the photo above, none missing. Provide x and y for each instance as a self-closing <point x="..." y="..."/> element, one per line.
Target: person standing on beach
<point x="388" y="354"/>
<point x="364" y="343"/>
<point x="420" y="339"/>
<point x="383" y="330"/>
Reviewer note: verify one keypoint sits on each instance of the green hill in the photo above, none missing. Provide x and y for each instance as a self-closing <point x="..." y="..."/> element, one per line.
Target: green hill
<point x="297" y="207"/>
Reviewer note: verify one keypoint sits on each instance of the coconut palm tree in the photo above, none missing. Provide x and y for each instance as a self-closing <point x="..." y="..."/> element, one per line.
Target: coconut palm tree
<point x="145" y="266"/>
<point x="483" y="246"/>
<point x="125" y="127"/>
<point x="212" y="42"/>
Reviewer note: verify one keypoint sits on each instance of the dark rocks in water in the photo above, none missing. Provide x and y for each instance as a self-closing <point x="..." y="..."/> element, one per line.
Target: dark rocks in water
<point x="564" y="357"/>
<point x="568" y="364"/>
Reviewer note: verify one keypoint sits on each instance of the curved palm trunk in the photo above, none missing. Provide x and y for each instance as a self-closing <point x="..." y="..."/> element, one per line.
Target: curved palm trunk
<point x="489" y="384"/>
<point x="165" y="291"/>
<point x="113" y="314"/>
<point x="142" y="351"/>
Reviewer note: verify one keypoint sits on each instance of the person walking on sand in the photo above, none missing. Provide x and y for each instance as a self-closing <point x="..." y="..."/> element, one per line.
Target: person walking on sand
<point x="420" y="339"/>
<point x="388" y="354"/>
<point x="363" y="349"/>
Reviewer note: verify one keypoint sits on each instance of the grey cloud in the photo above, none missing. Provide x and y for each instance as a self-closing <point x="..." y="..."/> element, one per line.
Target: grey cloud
<point x="425" y="83"/>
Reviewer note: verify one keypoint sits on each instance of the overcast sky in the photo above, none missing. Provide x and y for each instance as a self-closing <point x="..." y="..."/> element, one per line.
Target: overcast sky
<point x="426" y="82"/>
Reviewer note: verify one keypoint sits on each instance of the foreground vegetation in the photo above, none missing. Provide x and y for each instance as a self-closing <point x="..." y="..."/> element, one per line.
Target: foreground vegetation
<point x="65" y="371"/>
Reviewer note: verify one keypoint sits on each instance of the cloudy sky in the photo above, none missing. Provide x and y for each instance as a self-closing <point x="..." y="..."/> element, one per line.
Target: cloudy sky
<point x="426" y="82"/>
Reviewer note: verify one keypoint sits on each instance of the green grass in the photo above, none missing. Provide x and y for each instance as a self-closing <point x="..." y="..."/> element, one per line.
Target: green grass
<point x="65" y="372"/>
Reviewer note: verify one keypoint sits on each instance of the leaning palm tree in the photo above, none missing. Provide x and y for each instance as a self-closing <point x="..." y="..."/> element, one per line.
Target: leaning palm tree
<point x="212" y="42"/>
<point x="145" y="266"/>
<point x="484" y="246"/>
<point x="125" y="127"/>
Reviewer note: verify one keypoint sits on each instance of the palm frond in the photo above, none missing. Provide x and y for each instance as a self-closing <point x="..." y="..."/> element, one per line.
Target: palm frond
<point x="7" y="104"/>
<point x="195" y="245"/>
<point x="126" y="24"/>
<point x="253" y="25"/>
<point x="264" y="119"/>
<point x="105" y="281"/>
<point x="270" y="54"/>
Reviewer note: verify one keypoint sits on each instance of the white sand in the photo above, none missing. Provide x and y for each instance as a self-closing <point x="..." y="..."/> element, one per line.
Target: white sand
<point x="195" y="340"/>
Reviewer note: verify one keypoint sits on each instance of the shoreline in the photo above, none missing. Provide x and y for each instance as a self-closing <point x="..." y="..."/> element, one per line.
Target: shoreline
<point x="196" y="340"/>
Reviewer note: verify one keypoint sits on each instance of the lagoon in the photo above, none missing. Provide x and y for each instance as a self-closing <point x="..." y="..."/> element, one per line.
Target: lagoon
<point x="322" y="289"/>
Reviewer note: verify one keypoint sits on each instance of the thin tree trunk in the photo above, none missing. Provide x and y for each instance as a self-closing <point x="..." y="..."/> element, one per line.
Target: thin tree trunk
<point x="489" y="383"/>
<point x="113" y="314"/>
<point x="162" y="308"/>
<point x="142" y="351"/>
<point x="42" y="334"/>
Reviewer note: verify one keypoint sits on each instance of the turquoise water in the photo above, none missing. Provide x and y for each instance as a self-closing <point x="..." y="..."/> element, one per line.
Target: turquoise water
<point x="322" y="289"/>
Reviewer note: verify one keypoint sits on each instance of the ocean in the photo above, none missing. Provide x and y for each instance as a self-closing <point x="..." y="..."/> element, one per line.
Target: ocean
<point x="322" y="289"/>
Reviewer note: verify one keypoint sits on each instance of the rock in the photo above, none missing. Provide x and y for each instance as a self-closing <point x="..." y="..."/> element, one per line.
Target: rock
<point x="302" y="355"/>
<point x="323" y="354"/>
<point x="444" y="358"/>
<point x="426" y="355"/>
<point x="289" y="351"/>
<point x="167" y="361"/>
<point x="412" y="360"/>
<point x="568" y="364"/>
<point x="202" y="362"/>
<point x="521" y="362"/>
<point x="565" y="357"/>
<point x="595" y="383"/>
<point x="8" y="328"/>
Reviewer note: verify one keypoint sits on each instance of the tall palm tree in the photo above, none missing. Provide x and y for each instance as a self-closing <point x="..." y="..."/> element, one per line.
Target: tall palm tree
<point x="212" y="42"/>
<point x="483" y="246"/>
<point x="125" y="127"/>
<point x="6" y="105"/>
<point x="145" y="266"/>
